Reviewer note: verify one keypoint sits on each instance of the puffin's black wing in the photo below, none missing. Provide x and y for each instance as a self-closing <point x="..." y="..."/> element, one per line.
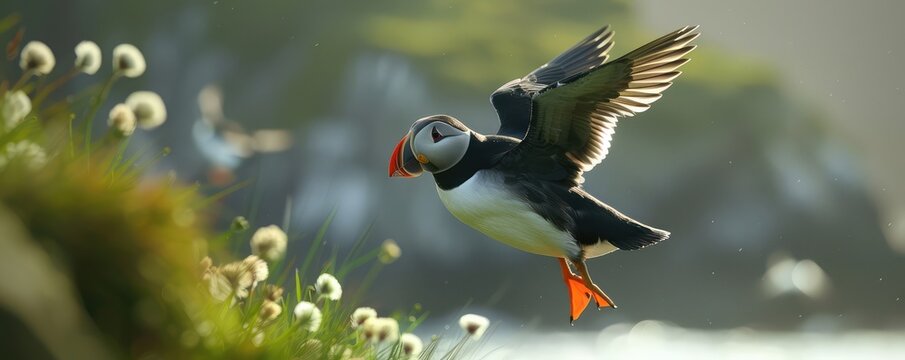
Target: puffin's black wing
<point x="513" y="100"/>
<point x="573" y="120"/>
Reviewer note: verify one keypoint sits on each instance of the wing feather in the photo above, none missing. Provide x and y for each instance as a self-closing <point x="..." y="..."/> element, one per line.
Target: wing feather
<point x="573" y="119"/>
<point x="513" y="100"/>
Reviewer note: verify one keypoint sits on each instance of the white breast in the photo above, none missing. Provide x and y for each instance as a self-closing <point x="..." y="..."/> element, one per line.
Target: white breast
<point x="486" y="205"/>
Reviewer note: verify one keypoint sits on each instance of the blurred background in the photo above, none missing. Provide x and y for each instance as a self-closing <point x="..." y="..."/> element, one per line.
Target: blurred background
<point x="774" y="160"/>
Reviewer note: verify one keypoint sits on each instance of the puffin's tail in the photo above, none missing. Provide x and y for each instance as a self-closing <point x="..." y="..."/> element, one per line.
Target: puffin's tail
<point x="647" y="236"/>
<point x="598" y="221"/>
<point x="634" y="235"/>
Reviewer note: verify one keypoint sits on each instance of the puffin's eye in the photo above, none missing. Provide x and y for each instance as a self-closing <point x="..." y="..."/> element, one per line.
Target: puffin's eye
<point x="436" y="135"/>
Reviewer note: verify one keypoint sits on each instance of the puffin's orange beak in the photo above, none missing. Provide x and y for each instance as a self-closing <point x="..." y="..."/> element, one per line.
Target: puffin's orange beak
<point x="403" y="162"/>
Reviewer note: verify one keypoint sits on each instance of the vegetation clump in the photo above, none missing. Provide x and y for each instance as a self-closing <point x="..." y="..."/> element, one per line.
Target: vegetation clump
<point x="132" y="257"/>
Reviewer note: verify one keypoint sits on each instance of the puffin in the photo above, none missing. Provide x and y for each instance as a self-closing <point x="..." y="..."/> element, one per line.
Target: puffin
<point x="523" y="185"/>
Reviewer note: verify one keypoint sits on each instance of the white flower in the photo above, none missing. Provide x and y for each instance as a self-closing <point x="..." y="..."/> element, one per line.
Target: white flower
<point x="270" y="310"/>
<point x="87" y="57"/>
<point x="205" y="265"/>
<point x="148" y="108"/>
<point x="411" y="345"/>
<point x="258" y="269"/>
<point x="273" y="293"/>
<point x="389" y="251"/>
<point x="474" y="325"/>
<point x="369" y="329"/>
<point x="26" y="152"/>
<point x="269" y="243"/>
<point x="328" y="287"/>
<point x="122" y="120"/>
<point x="238" y="278"/>
<point x="128" y="61"/>
<point x="308" y="315"/>
<point x="37" y="57"/>
<point x="217" y="284"/>
<point x="384" y="329"/>
<point x="362" y="314"/>
<point x="16" y="105"/>
<point x="234" y="278"/>
<point x="239" y="223"/>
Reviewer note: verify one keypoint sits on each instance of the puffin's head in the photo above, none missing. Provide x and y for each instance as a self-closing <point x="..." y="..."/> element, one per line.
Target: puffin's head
<point x="434" y="143"/>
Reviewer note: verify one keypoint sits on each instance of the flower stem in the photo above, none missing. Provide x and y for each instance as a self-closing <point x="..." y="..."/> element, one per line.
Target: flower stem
<point x="71" y="140"/>
<point x="45" y="91"/>
<point x="95" y="106"/>
<point x="454" y="353"/>
<point x="22" y="79"/>
<point x="119" y="157"/>
<point x="287" y="334"/>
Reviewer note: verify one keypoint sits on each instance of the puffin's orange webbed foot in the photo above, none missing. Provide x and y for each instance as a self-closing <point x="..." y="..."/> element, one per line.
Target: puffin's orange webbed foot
<point x="579" y="293"/>
<point x="599" y="296"/>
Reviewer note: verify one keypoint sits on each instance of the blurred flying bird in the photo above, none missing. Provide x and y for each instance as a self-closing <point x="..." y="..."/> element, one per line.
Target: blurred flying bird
<point x="224" y="142"/>
<point x="522" y="186"/>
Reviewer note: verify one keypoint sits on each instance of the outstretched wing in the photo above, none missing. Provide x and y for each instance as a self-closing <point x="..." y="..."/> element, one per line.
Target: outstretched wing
<point x="513" y="100"/>
<point x="573" y="120"/>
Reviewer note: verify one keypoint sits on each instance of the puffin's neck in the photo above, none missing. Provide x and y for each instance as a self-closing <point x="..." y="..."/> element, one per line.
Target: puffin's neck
<point x="483" y="153"/>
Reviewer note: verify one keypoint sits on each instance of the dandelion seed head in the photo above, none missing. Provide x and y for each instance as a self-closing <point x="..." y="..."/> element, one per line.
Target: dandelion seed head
<point x="328" y="287"/>
<point x="389" y="251"/>
<point x="239" y="276"/>
<point x="218" y="285"/>
<point x="25" y="152"/>
<point x="474" y="325"/>
<point x="258" y="268"/>
<point x="87" y="57"/>
<point x="273" y="293"/>
<point x="122" y="120"/>
<point x="239" y="223"/>
<point x="369" y="329"/>
<point x="387" y="329"/>
<point x="361" y="315"/>
<point x="128" y="61"/>
<point x="308" y="316"/>
<point x="16" y="105"/>
<point x="37" y="57"/>
<point x="269" y="243"/>
<point x="150" y="112"/>
<point x="270" y="310"/>
<point x="205" y="264"/>
<point x="411" y="345"/>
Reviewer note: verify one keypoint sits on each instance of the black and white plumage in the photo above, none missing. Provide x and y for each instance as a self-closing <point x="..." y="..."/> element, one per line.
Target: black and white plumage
<point x="523" y="185"/>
